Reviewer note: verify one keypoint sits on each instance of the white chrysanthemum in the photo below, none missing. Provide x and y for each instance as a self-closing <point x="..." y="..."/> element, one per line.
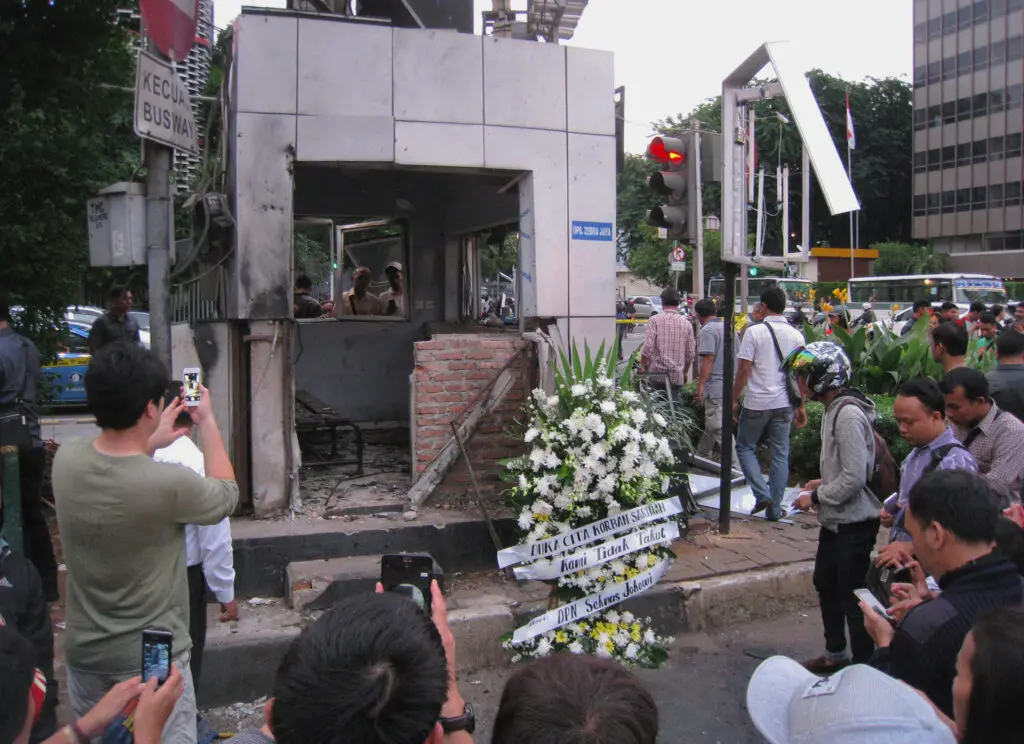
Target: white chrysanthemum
<point x="531" y="434"/>
<point x="578" y="390"/>
<point x="599" y="451"/>
<point x="664" y="449"/>
<point x="641" y="562"/>
<point x="563" y="501"/>
<point x="639" y="416"/>
<point x="619" y="434"/>
<point x="650" y="441"/>
<point x="648" y="470"/>
<point x="575" y="647"/>
<point x="607" y="484"/>
<point x="551" y="460"/>
<point x="602" y="652"/>
<point x="538" y="533"/>
<point x="523" y="483"/>
<point x="612" y="616"/>
<point x="629" y="396"/>
<point x="605" y="382"/>
<point x="603" y="638"/>
<point x="537" y="458"/>
<point x="631" y="651"/>
<point x="617" y="567"/>
<point x="628" y="617"/>
<point x="525" y="519"/>
<point x="649" y="637"/>
<point x="543" y="647"/>
<point x="659" y="419"/>
<point x="621" y="639"/>
<point x="607" y="407"/>
<point x="552" y="402"/>
<point x="594" y="424"/>
<point x="664" y="483"/>
<point x="562" y="527"/>
<point x="584" y="512"/>
<point x="545" y="484"/>
<point x="542" y="508"/>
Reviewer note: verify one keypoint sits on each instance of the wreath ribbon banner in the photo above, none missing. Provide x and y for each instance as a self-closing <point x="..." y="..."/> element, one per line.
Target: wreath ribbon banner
<point x="589" y="533"/>
<point x="591" y="604"/>
<point x="568" y="563"/>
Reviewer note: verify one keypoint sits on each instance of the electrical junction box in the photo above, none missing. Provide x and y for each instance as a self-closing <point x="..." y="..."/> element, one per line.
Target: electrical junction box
<point x="117" y="225"/>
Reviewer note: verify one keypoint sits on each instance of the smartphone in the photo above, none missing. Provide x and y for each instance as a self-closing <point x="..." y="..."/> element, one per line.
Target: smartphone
<point x="191" y="377"/>
<point x="156" y="654"/>
<point x="865" y="596"/>
<point x="409" y="575"/>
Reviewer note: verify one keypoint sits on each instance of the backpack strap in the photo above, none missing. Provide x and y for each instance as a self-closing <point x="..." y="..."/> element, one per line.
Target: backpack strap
<point x="939" y="454"/>
<point x="871" y="428"/>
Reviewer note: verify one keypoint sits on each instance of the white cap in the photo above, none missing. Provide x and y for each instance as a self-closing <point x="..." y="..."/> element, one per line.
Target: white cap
<point x="858" y="705"/>
<point x="866" y="306"/>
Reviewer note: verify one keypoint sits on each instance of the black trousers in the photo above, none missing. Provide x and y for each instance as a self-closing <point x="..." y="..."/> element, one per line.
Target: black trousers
<point x="38" y="545"/>
<point x="841" y="566"/>
<point x="197" y="621"/>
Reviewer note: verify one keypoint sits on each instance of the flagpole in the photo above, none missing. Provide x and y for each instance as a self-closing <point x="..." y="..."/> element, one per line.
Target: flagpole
<point x="849" y="170"/>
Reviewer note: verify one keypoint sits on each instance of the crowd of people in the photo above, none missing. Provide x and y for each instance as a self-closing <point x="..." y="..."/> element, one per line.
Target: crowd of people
<point x="923" y="638"/>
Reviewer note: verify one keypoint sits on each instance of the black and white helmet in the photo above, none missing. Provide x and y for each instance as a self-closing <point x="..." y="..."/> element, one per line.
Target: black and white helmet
<point x="823" y="363"/>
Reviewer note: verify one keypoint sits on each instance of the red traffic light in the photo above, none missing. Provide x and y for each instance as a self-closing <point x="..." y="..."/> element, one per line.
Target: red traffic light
<point x="667" y="150"/>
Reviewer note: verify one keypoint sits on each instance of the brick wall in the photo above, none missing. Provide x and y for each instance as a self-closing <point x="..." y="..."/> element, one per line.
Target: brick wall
<point x="450" y="370"/>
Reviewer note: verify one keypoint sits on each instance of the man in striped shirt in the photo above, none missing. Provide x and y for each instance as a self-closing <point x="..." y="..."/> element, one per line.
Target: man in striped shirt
<point x="669" y="346"/>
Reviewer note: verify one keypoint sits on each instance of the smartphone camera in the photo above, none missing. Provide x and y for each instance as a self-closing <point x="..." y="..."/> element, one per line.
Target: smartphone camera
<point x="156" y="654"/>
<point x="191" y="377"/>
<point x="410" y="576"/>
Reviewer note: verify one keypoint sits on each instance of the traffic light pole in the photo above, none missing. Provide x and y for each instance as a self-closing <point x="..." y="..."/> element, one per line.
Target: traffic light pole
<point x="159" y="217"/>
<point x="725" y="479"/>
<point x="698" y="253"/>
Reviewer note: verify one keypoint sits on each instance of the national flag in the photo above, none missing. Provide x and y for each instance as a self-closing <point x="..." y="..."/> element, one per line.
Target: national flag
<point x="851" y="138"/>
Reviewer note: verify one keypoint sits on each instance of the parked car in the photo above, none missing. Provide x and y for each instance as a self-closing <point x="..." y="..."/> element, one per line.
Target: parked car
<point x="643" y="308"/>
<point x="67" y="374"/>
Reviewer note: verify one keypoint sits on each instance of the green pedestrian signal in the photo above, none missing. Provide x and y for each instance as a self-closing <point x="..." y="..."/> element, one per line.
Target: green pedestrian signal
<point x="753" y="270"/>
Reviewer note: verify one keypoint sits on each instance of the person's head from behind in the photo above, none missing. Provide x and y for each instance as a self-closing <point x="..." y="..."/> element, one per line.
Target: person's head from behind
<point x="920" y="411"/>
<point x="922" y="307"/>
<point x="119" y="300"/>
<point x="949" y="340"/>
<point x="361" y="280"/>
<point x="371" y="670"/>
<point x="976" y="309"/>
<point x="987" y="326"/>
<point x="17" y="675"/>
<point x="989" y="682"/>
<point x="303" y="284"/>
<point x="966" y="393"/>
<point x="1010" y="347"/>
<point x="773" y="300"/>
<point x="997" y="311"/>
<point x="125" y="386"/>
<point x="950" y="311"/>
<point x="952" y="517"/>
<point x="570" y="699"/>
<point x="757" y="312"/>
<point x="1010" y="541"/>
<point x="705" y="310"/>
<point x="671" y="298"/>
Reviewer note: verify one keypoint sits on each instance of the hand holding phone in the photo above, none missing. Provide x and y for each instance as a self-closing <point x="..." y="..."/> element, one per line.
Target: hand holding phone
<point x="865" y="596"/>
<point x="156" y="654"/>
<point x="409" y="575"/>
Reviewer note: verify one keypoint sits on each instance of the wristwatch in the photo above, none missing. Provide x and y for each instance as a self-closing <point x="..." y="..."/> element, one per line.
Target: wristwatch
<point x="466" y="722"/>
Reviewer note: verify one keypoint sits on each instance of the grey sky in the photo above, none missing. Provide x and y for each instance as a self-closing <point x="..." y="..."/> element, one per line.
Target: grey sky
<point x="704" y="40"/>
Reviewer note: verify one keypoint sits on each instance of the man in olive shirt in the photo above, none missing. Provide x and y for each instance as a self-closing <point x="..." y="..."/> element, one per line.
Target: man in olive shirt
<point x="122" y="518"/>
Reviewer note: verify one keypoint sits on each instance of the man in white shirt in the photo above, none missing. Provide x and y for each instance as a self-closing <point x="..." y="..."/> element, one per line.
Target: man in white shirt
<point x="208" y="551"/>
<point x="766" y="409"/>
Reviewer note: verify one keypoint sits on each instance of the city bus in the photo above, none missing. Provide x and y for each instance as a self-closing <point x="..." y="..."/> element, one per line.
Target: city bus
<point x="798" y="291"/>
<point x="886" y="291"/>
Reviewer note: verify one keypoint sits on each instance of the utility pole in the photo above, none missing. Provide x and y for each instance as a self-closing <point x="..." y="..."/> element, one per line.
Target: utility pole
<point x="698" y="253"/>
<point x="158" y="159"/>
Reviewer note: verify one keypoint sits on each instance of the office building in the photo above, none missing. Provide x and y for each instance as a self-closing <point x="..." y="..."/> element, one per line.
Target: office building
<point x="968" y="122"/>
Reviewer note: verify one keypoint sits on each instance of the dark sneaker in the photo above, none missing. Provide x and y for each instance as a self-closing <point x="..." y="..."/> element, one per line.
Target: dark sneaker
<point x="824" y="666"/>
<point x="760" y="506"/>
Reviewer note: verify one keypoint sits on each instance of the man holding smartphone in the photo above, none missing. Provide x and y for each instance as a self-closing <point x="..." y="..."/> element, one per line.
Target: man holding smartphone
<point x="122" y="518"/>
<point x="208" y="551"/>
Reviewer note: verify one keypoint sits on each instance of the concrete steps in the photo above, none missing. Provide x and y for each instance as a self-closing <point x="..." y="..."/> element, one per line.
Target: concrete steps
<point x="316" y="585"/>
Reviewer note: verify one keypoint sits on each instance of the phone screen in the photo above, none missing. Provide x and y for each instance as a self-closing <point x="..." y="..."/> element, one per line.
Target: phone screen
<point x="191" y="378"/>
<point x="410" y="576"/>
<point x="156" y="655"/>
<point x="872" y="601"/>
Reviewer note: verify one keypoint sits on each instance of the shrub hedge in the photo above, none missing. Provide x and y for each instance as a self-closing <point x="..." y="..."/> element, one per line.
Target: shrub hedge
<point x="805" y="444"/>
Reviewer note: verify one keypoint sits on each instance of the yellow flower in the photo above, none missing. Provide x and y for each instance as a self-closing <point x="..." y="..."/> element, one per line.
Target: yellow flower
<point x="812" y="295"/>
<point x="826" y="307"/>
<point x="635" y="636"/>
<point x="609" y="647"/>
<point x="561" y="636"/>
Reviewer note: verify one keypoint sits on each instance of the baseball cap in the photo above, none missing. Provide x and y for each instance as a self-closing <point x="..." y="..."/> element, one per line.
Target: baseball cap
<point x="393" y="265"/>
<point x="866" y="306"/>
<point x="857" y="705"/>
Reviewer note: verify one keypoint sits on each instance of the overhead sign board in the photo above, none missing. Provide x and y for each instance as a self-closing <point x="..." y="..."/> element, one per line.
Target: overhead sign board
<point x="163" y="109"/>
<point x="171" y="25"/>
<point x="592" y="231"/>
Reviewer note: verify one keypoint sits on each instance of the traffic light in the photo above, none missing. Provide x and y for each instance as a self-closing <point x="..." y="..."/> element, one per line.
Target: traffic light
<point x="678" y="216"/>
<point x="753" y="270"/>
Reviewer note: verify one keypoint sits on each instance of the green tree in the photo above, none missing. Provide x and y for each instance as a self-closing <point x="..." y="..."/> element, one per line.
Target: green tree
<point x="633" y="201"/>
<point x="62" y="137"/>
<point x="881" y="163"/>
<point x="901" y="258"/>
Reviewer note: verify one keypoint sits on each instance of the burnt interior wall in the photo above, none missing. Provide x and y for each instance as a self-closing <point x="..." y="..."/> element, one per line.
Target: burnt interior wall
<point x="362" y="368"/>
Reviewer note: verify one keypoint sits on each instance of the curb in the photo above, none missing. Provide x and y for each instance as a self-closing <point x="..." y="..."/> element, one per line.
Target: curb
<point x="241" y="667"/>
